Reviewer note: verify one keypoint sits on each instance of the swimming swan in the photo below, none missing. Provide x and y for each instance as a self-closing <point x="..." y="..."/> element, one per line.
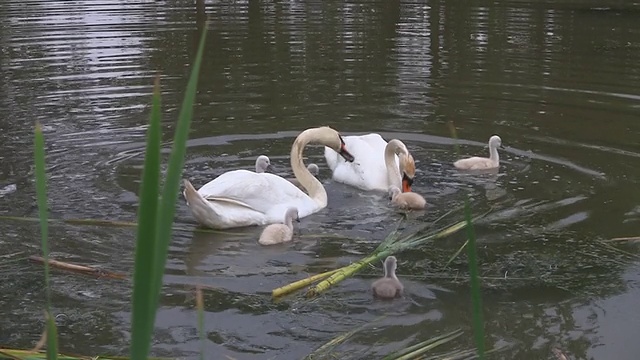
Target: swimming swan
<point x="243" y="198"/>
<point x="279" y="233"/>
<point x="389" y="286"/>
<point x="377" y="166"/>
<point x="480" y="163"/>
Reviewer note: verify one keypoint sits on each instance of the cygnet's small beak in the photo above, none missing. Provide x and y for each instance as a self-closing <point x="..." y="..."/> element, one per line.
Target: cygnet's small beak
<point x="297" y="219"/>
<point x="502" y="147"/>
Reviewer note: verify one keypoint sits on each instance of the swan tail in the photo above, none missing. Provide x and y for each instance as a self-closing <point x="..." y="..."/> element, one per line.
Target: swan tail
<point x="191" y="195"/>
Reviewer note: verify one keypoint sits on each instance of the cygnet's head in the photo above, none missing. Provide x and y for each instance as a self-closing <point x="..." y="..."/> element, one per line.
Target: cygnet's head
<point x="393" y="192"/>
<point x="313" y="169"/>
<point x="390" y="266"/>
<point x="291" y="214"/>
<point x="495" y="142"/>
<point x="408" y="168"/>
<point x="263" y="164"/>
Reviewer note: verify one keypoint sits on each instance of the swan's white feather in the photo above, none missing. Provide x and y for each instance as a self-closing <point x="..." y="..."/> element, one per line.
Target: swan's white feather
<point x="475" y="163"/>
<point x="368" y="171"/>
<point x="258" y="191"/>
<point x="275" y="234"/>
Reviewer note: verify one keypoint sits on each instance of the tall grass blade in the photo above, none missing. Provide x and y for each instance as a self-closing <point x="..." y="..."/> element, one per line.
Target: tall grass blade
<point x="143" y="313"/>
<point x="41" y="194"/>
<point x="156" y="217"/>
<point x="478" y="323"/>
<point x="174" y="172"/>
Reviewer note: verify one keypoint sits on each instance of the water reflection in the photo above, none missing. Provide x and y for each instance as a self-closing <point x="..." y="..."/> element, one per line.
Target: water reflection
<point x="556" y="80"/>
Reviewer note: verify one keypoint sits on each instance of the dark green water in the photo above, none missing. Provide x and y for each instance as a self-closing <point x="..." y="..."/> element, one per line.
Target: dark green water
<point x="559" y="81"/>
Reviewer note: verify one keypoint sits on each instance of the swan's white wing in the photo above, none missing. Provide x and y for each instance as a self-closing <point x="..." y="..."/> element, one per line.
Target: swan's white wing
<point x="263" y="192"/>
<point x="368" y="171"/>
<point x="359" y="145"/>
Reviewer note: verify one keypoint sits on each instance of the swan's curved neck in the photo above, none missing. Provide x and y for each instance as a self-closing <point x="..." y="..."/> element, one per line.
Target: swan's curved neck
<point x="314" y="188"/>
<point x="394" y="147"/>
<point x="493" y="153"/>
<point x="289" y="222"/>
<point x="389" y="269"/>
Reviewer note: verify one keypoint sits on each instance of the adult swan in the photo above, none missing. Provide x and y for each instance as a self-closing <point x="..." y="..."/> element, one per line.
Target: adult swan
<point x="378" y="166"/>
<point x="243" y="198"/>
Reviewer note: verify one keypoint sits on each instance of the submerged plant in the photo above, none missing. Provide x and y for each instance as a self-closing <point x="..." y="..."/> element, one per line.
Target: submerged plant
<point x="392" y="244"/>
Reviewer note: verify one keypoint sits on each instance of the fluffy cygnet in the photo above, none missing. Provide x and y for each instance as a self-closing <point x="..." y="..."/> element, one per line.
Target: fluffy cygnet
<point x="263" y="164"/>
<point x="481" y="163"/>
<point x="388" y="287"/>
<point x="313" y="169"/>
<point x="279" y="233"/>
<point x="406" y="200"/>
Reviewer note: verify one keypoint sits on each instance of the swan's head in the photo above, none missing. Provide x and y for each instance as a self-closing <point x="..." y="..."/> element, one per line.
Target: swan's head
<point x="313" y="169"/>
<point x="292" y="213"/>
<point x="495" y="142"/>
<point x="390" y="266"/>
<point x="408" y="170"/>
<point x="324" y="136"/>
<point x="393" y="192"/>
<point x="334" y="140"/>
<point x="263" y="164"/>
<point x="342" y="150"/>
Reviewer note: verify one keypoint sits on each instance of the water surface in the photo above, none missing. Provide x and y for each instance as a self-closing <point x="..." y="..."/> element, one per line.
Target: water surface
<point x="557" y="80"/>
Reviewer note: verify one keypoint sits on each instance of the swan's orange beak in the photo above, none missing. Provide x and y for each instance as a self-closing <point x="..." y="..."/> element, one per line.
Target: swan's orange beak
<point x="406" y="183"/>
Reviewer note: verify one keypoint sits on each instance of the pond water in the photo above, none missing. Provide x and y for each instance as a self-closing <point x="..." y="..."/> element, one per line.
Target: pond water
<point x="559" y="81"/>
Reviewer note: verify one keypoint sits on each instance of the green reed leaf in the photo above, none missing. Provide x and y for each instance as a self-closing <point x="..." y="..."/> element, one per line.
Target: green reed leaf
<point x="156" y="218"/>
<point x="41" y="195"/>
<point x="476" y="299"/>
<point x="142" y="312"/>
<point x="174" y="173"/>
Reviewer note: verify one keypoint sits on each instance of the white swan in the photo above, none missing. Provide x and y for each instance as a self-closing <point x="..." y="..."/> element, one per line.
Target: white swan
<point x="480" y="163"/>
<point x="263" y="164"/>
<point x="377" y="165"/>
<point x="243" y="198"/>
<point x="279" y="233"/>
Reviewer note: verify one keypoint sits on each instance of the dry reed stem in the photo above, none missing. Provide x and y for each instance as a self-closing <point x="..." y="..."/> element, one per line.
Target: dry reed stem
<point x="43" y="338"/>
<point x="79" y="268"/>
<point x="632" y="238"/>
